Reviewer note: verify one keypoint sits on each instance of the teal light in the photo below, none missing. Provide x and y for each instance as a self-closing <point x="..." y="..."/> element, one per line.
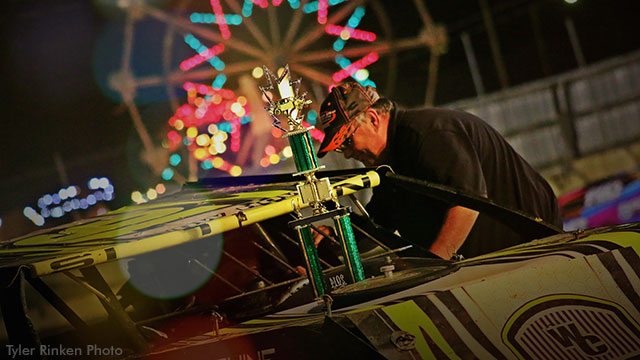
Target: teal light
<point x="207" y="164"/>
<point x="217" y="63"/>
<point x="247" y="8"/>
<point x="294" y="4"/>
<point x="175" y="159"/>
<point x="167" y="174"/>
<point x="206" y="18"/>
<point x="219" y="81"/>
<point x="312" y="116"/>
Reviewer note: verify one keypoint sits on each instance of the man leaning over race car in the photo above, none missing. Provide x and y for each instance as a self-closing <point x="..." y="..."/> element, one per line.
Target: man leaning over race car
<point x="443" y="146"/>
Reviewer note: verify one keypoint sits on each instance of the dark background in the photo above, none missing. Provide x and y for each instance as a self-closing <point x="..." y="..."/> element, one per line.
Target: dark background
<point x="54" y="101"/>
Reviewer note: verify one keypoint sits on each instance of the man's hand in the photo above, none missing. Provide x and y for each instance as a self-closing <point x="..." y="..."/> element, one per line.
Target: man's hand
<point x="317" y="237"/>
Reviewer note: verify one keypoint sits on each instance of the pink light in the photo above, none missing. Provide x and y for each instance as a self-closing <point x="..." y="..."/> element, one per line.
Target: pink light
<point x="323" y="5"/>
<point x="276" y="2"/>
<point x="208" y="90"/>
<point x="235" y="134"/>
<point x="262" y="3"/>
<point x="351" y="69"/>
<point x="184" y="110"/>
<point x="315" y="133"/>
<point x="222" y="23"/>
<point x="353" y="33"/>
<point x="173" y="136"/>
<point x="270" y="150"/>
<point x="202" y="57"/>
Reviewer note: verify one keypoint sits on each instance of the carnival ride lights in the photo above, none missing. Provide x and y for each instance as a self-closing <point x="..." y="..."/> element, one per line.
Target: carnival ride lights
<point x="209" y="145"/>
<point x="301" y="48"/>
<point x="312" y="191"/>
<point x="65" y="200"/>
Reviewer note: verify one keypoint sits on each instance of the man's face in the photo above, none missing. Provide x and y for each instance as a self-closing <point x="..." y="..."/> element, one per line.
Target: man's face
<point x="363" y="143"/>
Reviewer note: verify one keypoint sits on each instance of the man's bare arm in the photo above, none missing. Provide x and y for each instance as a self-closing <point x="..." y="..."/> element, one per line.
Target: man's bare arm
<point x="454" y="231"/>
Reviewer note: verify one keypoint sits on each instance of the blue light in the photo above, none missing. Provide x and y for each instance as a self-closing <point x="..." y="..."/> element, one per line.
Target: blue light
<point x="84" y="204"/>
<point x="56" y="199"/>
<point x="167" y="174"/>
<point x="48" y="200"/>
<point x="109" y="189"/>
<point x="175" y="159"/>
<point x="245" y="120"/>
<point x="99" y="195"/>
<point x="91" y="199"/>
<point x="41" y="203"/>
<point x="75" y="204"/>
<point x="46" y="213"/>
<point x="338" y="45"/>
<point x="66" y="206"/>
<point x="108" y="196"/>
<point x="57" y="212"/>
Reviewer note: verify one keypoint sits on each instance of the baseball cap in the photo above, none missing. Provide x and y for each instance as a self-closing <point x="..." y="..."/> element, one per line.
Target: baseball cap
<point x="339" y="110"/>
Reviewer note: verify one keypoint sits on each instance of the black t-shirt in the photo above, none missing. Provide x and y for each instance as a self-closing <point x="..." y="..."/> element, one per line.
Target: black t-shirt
<point x="457" y="149"/>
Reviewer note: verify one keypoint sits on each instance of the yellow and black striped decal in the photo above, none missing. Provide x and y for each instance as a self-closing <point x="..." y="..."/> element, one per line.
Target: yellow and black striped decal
<point x="138" y="229"/>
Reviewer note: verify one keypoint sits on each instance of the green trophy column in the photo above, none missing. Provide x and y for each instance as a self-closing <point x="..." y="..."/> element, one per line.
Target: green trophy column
<point x="349" y="248"/>
<point x="302" y="149"/>
<point x="316" y="279"/>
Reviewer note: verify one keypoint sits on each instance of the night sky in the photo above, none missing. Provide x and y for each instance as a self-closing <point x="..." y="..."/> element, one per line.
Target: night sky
<point x="55" y="97"/>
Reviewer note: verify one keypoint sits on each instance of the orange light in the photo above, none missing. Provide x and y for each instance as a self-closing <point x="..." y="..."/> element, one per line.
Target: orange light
<point x="179" y="125"/>
<point x="242" y="100"/>
<point x="217" y="99"/>
<point x="264" y="162"/>
<point x="160" y="188"/>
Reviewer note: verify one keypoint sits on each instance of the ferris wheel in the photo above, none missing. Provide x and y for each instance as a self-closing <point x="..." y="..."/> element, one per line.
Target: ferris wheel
<point x="218" y="120"/>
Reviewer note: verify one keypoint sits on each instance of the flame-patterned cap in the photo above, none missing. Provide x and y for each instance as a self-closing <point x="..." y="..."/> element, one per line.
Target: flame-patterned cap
<point x="339" y="110"/>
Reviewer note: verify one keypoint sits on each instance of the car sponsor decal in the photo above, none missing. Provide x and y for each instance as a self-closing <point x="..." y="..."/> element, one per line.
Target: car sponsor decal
<point x="613" y="266"/>
<point x="569" y="326"/>
<point x="447" y="298"/>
